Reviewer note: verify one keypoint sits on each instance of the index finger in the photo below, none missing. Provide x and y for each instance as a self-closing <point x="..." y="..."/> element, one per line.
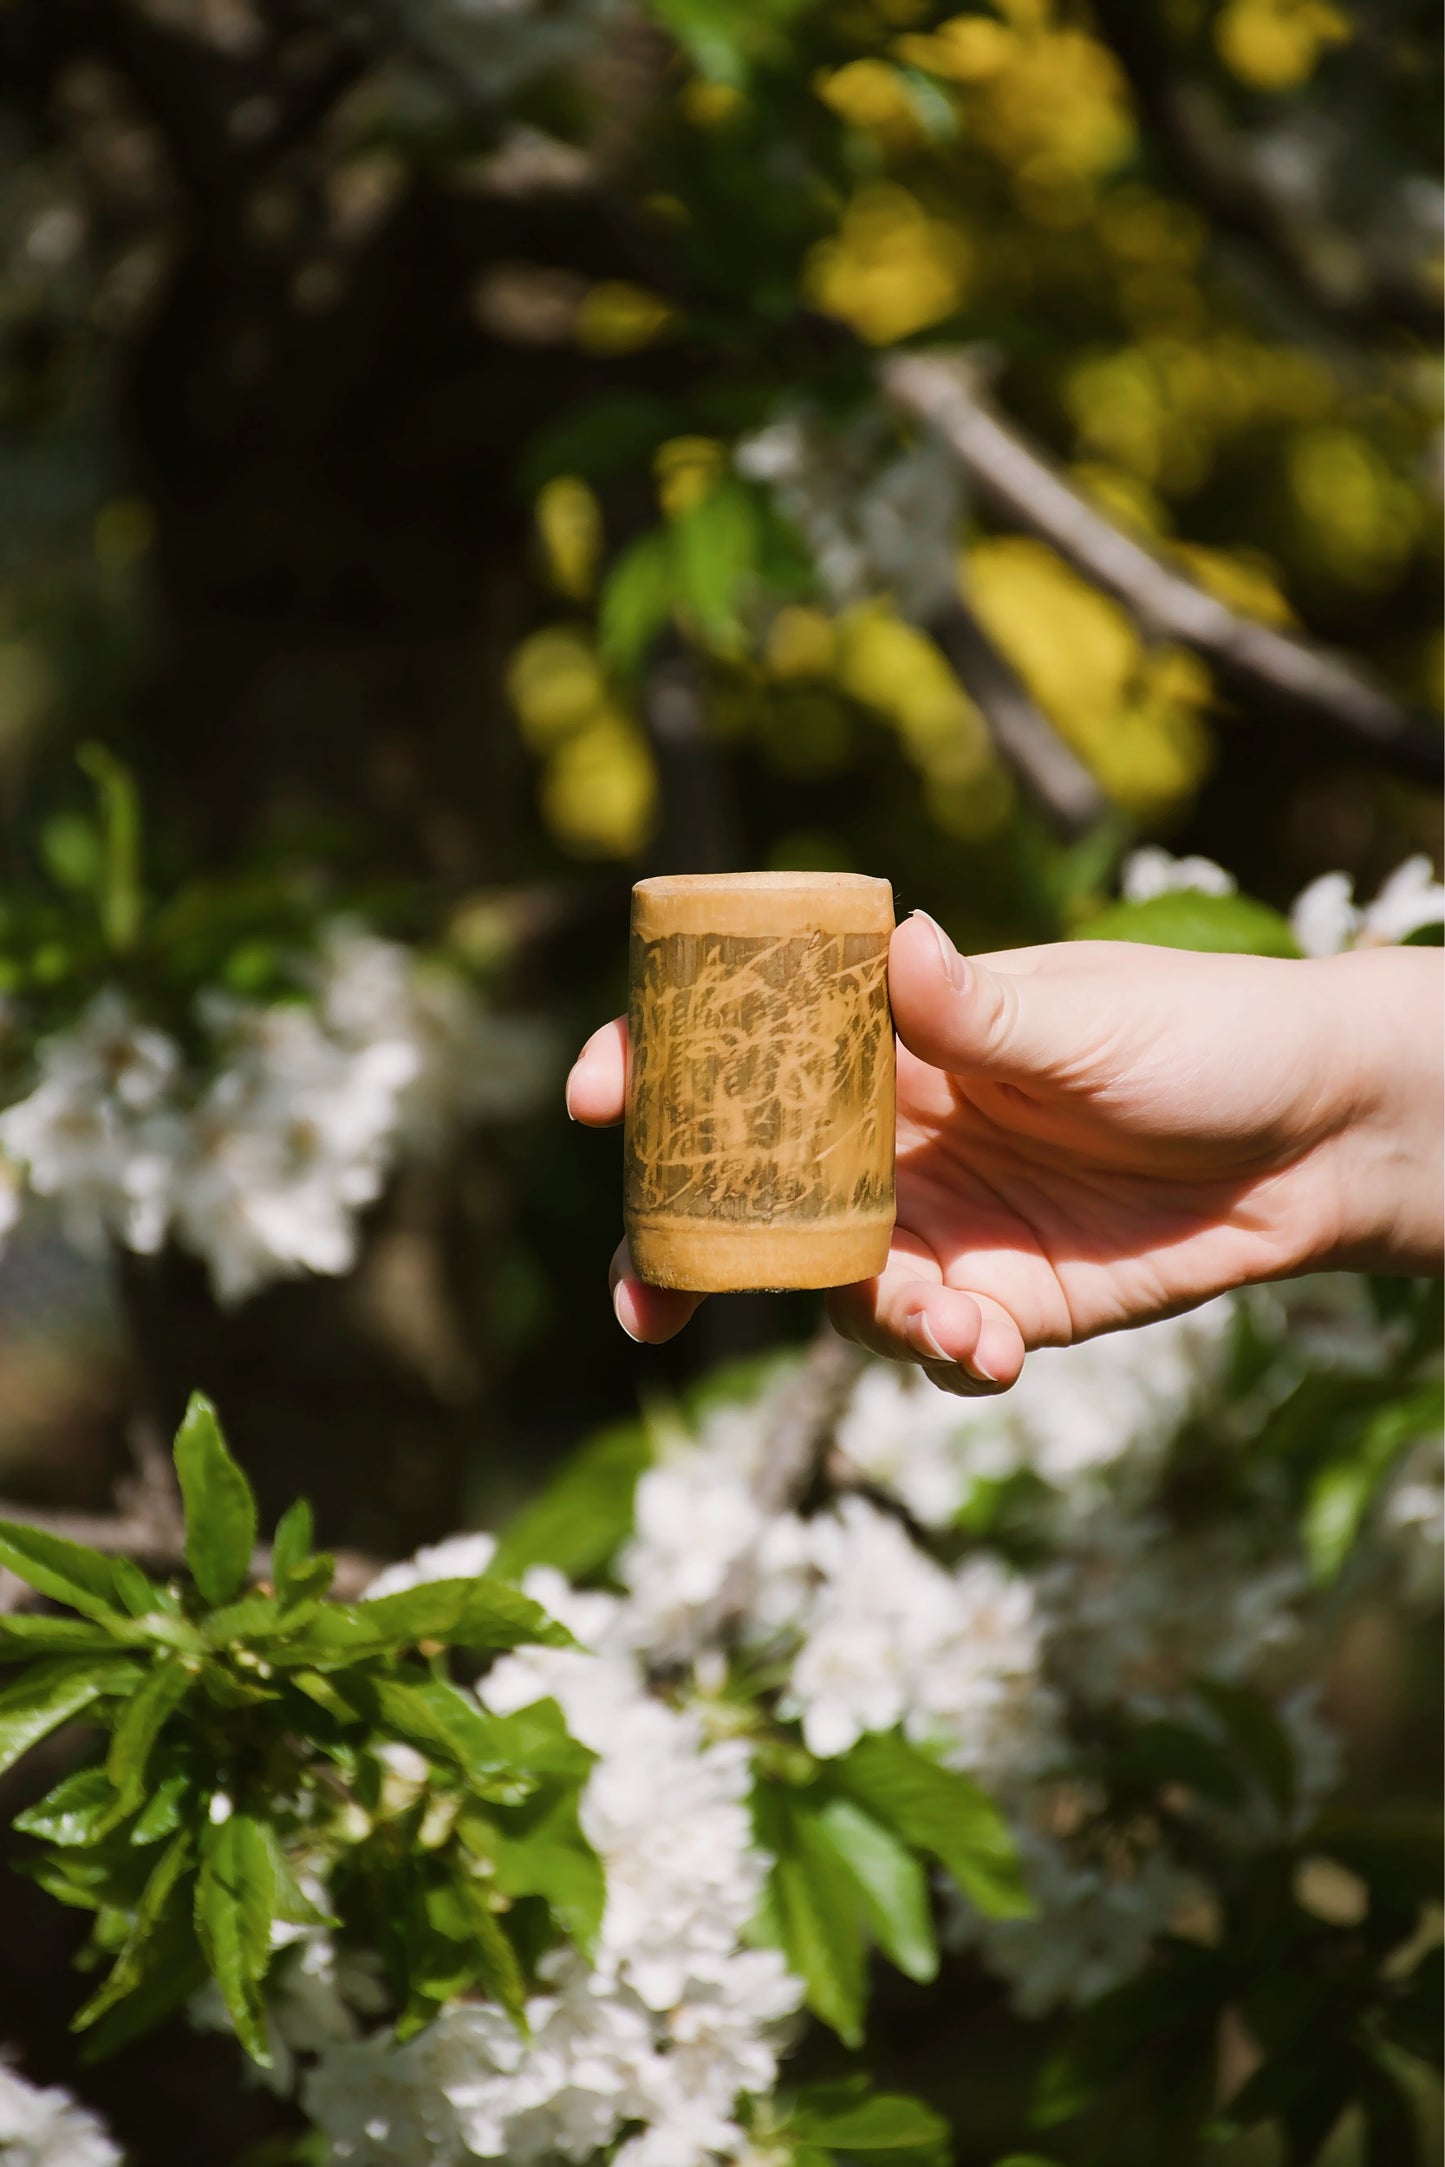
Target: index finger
<point x="597" y="1085"/>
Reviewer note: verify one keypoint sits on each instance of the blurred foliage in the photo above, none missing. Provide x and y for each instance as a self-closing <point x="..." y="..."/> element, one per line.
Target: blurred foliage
<point x="372" y="383"/>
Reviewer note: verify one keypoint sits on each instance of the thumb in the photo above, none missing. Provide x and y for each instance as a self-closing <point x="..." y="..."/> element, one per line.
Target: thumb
<point x="965" y="1016"/>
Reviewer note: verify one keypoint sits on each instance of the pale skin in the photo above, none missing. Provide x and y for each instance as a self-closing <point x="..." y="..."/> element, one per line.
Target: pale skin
<point x="1094" y="1134"/>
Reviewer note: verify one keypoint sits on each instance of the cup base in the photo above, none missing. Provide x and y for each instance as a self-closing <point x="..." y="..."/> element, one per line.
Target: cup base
<point x="704" y="1256"/>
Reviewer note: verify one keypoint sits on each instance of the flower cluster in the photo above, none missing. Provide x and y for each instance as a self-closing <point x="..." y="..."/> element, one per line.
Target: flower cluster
<point x="46" y="2128"/>
<point x="674" y="2015"/>
<point x="260" y="1154"/>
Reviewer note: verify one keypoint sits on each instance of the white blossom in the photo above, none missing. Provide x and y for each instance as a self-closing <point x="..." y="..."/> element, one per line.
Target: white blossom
<point x="261" y="1155"/>
<point x="45" y="2127"/>
<point x="95" y="1132"/>
<point x="1152" y="872"/>
<point x="1327" y="919"/>
<point x="460" y="1557"/>
<point x="676" y="2016"/>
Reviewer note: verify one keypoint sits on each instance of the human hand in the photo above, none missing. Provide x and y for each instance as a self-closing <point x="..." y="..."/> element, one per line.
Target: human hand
<point x="1094" y="1134"/>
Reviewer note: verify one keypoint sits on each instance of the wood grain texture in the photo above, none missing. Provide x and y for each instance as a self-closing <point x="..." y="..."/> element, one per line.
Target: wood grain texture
<point x="760" y="1106"/>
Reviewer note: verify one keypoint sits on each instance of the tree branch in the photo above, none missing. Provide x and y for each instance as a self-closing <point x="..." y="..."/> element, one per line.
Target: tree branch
<point x="1265" y="670"/>
<point x="1025" y="737"/>
<point x="801" y="1432"/>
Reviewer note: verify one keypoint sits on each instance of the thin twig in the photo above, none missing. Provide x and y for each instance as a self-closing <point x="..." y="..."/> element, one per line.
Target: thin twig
<point x="160" y="1547"/>
<point x="1027" y="741"/>
<point x="1262" y="668"/>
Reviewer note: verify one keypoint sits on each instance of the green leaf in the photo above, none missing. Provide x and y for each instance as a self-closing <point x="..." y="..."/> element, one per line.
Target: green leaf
<point x="120" y="895"/>
<point x="844" y="2119"/>
<point x="1228" y="924"/>
<point x="49" y="1695"/>
<point x="715" y="546"/>
<point x="584" y="1515"/>
<point x="235" y="1903"/>
<point x="78" y="1811"/>
<point x="137" y="1591"/>
<point x="24" y="1636"/>
<point x="290" y="1902"/>
<point x="943" y="1813"/>
<point x="815" y="1909"/>
<point x="636" y="602"/>
<point x="481" y="1613"/>
<point x="891" y="1885"/>
<point x="168" y="1805"/>
<point x="170" y="1971"/>
<point x="220" y="1509"/>
<point x="496" y="1960"/>
<point x="538" y="1849"/>
<point x="67" y="1572"/>
<point x="291" y="1550"/>
<point x="430" y="1714"/>
<point x="129" y="1968"/>
<point x="142" y="1720"/>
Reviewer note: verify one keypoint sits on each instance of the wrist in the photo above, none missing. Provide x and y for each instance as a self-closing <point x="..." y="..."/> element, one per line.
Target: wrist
<point x="1384" y="1017"/>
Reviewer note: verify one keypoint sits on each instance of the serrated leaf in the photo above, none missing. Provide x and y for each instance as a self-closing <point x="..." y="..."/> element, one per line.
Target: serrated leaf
<point x="584" y="1515"/>
<point x="137" y="1591"/>
<point x="290" y="1903"/>
<point x="165" y="1809"/>
<point x="68" y="1572"/>
<point x="235" y="1903"/>
<point x="291" y="1548"/>
<point x="24" y="1636"/>
<point x="1222" y="924"/>
<point x="938" y="1811"/>
<point x="172" y="1970"/>
<point x="815" y="1910"/>
<point x="220" y="1508"/>
<point x="891" y="1886"/>
<point x="481" y="1613"/>
<point x="78" y="1811"/>
<point x="141" y="1722"/>
<point x="430" y="1714"/>
<point x="49" y="1695"/>
<point x="538" y="1849"/>
<point x="496" y="1960"/>
<point x="129" y="1968"/>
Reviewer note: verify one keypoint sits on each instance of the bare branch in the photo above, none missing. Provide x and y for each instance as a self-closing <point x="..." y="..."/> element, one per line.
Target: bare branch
<point x="1265" y="670"/>
<point x="1025" y="737"/>
<point x="159" y="1547"/>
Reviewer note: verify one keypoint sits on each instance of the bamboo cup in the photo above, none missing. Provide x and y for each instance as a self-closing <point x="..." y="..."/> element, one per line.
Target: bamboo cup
<point x="759" y="1135"/>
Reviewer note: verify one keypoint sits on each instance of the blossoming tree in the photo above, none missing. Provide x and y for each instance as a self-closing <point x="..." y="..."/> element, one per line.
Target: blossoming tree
<point x="458" y="456"/>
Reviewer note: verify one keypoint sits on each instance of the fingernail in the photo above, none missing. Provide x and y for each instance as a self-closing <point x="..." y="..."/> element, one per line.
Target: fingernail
<point x="567" y="1092"/>
<point x="923" y="1339"/>
<point x="617" y="1313"/>
<point x="953" y="963"/>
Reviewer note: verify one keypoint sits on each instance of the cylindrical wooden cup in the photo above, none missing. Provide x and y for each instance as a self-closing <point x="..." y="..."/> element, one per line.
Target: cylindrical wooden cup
<point x="759" y="1138"/>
